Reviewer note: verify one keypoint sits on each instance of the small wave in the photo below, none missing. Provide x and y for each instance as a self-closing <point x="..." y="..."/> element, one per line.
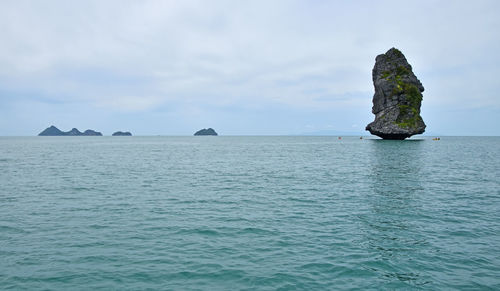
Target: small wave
<point x="254" y="230"/>
<point x="79" y="189"/>
<point x="98" y="226"/>
<point x="205" y="232"/>
<point x="224" y="274"/>
<point x="11" y="229"/>
<point x="302" y="200"/>
<point x="317" y="266"/>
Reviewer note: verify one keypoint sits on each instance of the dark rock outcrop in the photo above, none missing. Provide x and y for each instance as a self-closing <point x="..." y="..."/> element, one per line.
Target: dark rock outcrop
<point x="54" y="131"/>
<point x="121" y="133"/>
<point x="397" y="99"/>
<point x="205" y="131"/>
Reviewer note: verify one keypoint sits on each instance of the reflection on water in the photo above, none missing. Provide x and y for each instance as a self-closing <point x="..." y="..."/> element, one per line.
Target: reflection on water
<point x="389" y="225"/>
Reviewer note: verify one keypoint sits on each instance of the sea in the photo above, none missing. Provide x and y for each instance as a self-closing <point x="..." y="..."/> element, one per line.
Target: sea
<point x="249" y="213"/>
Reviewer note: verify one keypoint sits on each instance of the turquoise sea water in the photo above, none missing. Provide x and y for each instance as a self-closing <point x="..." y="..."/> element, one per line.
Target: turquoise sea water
<point x="249" y="213"/>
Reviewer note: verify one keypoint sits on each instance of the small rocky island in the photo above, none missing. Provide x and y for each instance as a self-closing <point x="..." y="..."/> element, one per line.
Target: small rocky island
<point x="54" y="131"/>
<point x="205" y="131"/>
<point x="397" y="99"/>
<point x="121" y="133"/>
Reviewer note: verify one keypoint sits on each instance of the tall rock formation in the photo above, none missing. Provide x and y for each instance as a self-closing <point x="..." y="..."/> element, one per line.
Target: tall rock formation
<point x="397" y="99"/>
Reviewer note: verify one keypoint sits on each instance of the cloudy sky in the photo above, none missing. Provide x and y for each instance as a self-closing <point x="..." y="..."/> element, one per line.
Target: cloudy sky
<point x="241" y="67"/>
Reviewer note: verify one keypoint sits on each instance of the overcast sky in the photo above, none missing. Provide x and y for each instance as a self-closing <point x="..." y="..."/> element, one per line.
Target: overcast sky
<point x="241" y="67"/>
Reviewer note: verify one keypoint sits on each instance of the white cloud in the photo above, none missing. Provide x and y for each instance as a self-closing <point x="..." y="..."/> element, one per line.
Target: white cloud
<point x="129" y="103"/>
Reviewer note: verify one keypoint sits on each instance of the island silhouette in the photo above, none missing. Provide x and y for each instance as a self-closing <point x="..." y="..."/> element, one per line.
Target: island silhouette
<point x="54" y="131"/>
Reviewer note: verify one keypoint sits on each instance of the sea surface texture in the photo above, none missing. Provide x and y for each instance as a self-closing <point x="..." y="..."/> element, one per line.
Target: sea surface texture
<point x="249" y="213"/>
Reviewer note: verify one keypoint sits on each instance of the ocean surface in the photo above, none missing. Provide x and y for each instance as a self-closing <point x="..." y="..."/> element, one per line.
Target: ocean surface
<point x="249" y="213"/>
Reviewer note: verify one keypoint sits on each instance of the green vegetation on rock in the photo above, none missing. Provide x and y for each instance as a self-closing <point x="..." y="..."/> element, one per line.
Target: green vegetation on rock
<point x="408" y="116"/>
<point x="409" y="113"/>
<point x="397" y="52"/>
<point x="402" y="70"/>
<point x="413" y="95"/>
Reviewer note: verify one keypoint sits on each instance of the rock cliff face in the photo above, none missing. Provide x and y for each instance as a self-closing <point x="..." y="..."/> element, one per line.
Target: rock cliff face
<point x="205" y="131"/>
<point x="54" y="131"/>
<point x="397" y="99"/>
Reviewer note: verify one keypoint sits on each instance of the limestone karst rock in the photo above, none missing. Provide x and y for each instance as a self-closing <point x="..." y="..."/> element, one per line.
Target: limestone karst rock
<point x="397" y="98"/>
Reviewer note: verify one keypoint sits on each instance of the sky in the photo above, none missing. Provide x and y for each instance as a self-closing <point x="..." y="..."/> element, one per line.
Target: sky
<point x="241" y="67"/>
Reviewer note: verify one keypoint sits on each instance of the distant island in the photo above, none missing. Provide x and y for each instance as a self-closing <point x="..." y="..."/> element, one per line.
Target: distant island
<point x="121" y="133"/>
<point x="205" y="131"/>
<point x="54" y="131"/>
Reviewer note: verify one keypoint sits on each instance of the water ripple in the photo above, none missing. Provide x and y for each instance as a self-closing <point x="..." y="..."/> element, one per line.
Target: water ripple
<point x="247" y="213"/>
